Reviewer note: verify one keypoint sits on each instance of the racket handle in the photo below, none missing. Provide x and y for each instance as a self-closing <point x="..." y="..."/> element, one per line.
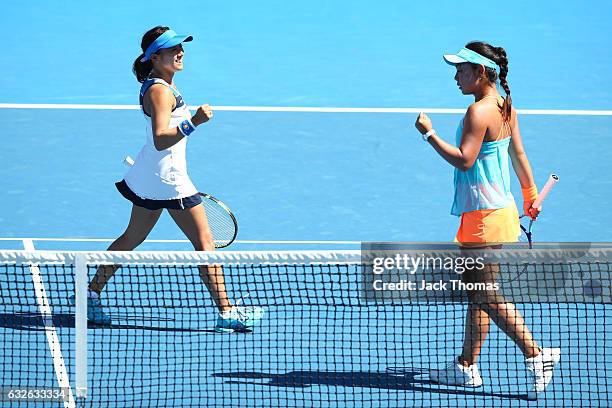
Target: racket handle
<point x="552" y="180"/>
<point x="128" y="161"/>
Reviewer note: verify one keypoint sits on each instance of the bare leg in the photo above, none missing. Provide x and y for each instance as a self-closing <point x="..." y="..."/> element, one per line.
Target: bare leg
<point x="476" y="330"/>
<point x="487" y="305"/>
<point x="141" y="223"/>
<point x="194" y="224"/>
<point x="510" y="320"/>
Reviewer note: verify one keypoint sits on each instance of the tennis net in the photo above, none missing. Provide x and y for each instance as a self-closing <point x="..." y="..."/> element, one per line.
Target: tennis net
<point x="329" y="335"/>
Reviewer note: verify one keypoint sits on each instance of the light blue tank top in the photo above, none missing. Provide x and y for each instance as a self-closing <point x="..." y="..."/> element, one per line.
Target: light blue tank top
<point x="485" y="185"/>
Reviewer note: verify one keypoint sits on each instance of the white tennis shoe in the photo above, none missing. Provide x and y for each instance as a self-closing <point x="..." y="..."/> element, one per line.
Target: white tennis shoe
<point x="540" y="370"/>
<point x="457" y="374"/>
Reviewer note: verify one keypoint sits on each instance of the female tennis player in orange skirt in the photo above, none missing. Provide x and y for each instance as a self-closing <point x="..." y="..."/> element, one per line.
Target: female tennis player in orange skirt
<point x="487" y="136"/>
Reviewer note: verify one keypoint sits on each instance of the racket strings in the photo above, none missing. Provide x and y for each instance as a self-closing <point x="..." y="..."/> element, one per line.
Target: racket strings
<point x="221" y="223"/>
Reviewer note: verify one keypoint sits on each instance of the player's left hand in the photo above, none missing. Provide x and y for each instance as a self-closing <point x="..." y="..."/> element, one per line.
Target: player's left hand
<point x="531" y="211"/>
<point x="202" y="115"/>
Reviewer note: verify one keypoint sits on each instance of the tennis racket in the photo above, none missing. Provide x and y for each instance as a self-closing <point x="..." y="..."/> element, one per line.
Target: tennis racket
<point x="552" y="180"/>
<point x="222" y="223"/>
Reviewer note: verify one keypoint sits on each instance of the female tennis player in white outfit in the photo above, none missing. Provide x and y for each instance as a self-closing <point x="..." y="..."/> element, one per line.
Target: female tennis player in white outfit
<point x="159" y="180"/>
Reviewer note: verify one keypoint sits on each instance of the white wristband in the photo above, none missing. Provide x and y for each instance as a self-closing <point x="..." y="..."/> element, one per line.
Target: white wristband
<point x="426" y="135"/>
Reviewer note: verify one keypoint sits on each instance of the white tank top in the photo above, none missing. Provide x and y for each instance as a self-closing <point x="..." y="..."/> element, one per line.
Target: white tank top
<point x="162" y="175"/>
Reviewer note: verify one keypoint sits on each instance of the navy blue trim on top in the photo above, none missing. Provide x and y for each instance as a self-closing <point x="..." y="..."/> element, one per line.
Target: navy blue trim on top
<point x="152" y="81"/>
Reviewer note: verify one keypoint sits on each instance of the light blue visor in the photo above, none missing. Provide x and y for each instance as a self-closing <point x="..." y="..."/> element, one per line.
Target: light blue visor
<point x="167" y="40"/>
<point x="466" y="55"/>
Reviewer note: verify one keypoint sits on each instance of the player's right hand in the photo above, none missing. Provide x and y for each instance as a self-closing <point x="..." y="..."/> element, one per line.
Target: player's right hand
<point x="423" y="123"/>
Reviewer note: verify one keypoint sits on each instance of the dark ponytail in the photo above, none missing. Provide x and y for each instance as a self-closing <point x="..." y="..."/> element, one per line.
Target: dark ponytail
<point x="142" y="70"/>
<point x="497" y="55"/>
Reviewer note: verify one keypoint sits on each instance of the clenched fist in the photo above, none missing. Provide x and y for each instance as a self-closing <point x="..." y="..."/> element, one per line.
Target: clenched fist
<point x="202" y="115"/>
<point x="423" y="123"/>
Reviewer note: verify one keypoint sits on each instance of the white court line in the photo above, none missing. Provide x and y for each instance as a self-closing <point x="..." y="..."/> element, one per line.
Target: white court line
<point x="562" y="112"/>
<point x="185" y="241"/>
<point x="52" y="339"/>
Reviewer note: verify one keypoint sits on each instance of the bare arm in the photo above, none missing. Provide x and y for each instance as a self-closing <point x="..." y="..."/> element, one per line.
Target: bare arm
<point x="464" y="156"/>
<point x="520" y="163"/>
<point x="522" y="168"/>
<point x="159" y="100"/>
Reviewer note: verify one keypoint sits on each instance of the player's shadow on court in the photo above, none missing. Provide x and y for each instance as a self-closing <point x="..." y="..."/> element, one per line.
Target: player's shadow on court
<point x="39" y="322"/>
<point x="406" y="381"/>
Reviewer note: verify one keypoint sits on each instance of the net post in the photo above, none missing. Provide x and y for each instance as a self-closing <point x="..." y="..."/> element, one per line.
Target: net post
<point x="80" y="325"/>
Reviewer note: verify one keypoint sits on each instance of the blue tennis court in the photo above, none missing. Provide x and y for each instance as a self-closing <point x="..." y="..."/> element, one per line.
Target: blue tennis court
<point x="313" y="147"/>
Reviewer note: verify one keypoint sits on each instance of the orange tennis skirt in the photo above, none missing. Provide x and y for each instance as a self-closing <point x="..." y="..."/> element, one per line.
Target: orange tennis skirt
<point x="489" y="227"/>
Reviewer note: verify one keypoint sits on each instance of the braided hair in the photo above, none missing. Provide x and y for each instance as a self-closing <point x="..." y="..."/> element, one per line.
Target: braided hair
<point x="497" y="55"/>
